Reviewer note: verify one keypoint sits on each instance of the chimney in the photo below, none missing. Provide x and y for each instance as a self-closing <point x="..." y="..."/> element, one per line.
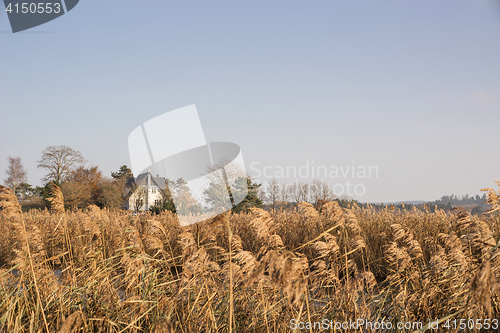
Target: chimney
<point x="147" y="189"/>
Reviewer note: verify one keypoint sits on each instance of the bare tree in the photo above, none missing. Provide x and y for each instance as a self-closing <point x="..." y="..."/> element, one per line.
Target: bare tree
<point x="229" y="186"/>
<point x="262" y="194"/>
<point x="15" y="173"/>
<point x="303" y="189"/>
<point x="320" y="190"/>
<point x="314" y="191"/>
<point x="294" y="193"/>
<point x="273" y="190"/>
<point x="59" y="161"/>
<point x="284" y="194"/>
<point x="216" y="195"/>
<point x="325" y="191"/>
<point x="298" y="191"/>
<point x="139" y="197"/>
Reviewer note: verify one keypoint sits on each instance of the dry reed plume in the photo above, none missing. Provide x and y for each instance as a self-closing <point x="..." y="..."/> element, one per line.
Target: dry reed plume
<point x="57" y="200"/>
<point x="9" y="205"/>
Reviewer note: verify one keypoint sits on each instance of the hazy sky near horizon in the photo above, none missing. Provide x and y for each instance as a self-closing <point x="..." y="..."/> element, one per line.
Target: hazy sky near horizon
<point x="411" y="87"/>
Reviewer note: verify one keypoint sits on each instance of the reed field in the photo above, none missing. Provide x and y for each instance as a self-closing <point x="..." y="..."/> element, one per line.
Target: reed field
<point x="110" y="271"/>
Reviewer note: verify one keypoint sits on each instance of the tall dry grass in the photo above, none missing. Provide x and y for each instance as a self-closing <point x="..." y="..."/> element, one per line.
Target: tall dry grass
<point x="104" y="271"/>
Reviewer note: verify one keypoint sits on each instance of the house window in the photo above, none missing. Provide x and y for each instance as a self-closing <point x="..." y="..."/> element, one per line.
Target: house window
<point x="153" y="190"/>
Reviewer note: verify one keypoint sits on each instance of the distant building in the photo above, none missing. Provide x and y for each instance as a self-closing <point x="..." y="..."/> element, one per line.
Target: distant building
<point x="144" y="191"/>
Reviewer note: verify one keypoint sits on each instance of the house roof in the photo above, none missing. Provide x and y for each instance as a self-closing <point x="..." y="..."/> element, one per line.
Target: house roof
<point x="142" y="180"/>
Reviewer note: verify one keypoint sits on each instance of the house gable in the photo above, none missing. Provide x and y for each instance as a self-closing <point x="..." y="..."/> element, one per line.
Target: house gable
<point x="153" y="195"/>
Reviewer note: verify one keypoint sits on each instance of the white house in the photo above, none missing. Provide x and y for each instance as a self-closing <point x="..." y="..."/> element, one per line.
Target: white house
<point x="144" y="191"/>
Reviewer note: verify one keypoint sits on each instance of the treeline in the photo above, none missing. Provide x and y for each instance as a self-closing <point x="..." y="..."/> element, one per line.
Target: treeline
<point x="475" y="205"/>
<point x="455" y="200"/>
<point x="81" y="186"/>
<point x="285" y="196"/>
<point x="277" y="195"/>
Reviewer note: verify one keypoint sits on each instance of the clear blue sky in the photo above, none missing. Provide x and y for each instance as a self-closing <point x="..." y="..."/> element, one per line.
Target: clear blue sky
<point x="412" y="87"/>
